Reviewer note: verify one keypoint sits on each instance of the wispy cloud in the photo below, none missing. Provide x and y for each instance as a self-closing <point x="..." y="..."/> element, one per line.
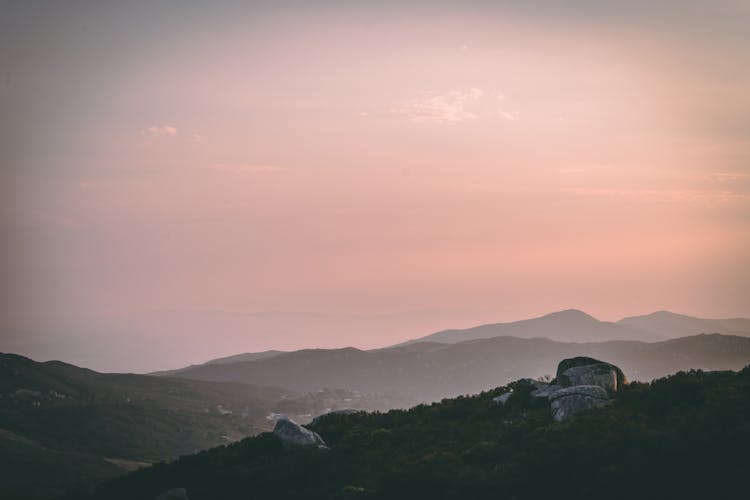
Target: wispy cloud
<point x="156" y="131"/>
<point x="508" y="115"/>
<point x="441" y="108"/>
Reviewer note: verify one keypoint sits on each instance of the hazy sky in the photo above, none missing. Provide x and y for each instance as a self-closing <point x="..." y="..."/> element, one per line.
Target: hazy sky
<point x="182" y="180"/>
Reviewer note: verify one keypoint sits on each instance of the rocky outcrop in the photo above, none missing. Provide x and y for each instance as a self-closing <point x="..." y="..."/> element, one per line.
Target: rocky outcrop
<point x="293" y="435"/>
<point x="581" y="384"/>
<point x="589" y="371"/>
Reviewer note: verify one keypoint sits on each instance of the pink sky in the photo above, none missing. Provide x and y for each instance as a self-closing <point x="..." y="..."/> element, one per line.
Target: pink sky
<point x="368" y="174"/>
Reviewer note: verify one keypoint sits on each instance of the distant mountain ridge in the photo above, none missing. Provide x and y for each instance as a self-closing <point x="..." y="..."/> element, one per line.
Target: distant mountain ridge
<point x="236" y="358"/>
<point x="430" y="371"/>
<point x="573" y="325"/>
<point x="669" y="324"/>
<point x="570" y="325"/>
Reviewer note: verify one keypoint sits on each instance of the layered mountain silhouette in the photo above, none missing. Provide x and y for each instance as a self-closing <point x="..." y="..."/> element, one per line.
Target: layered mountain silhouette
<point x="453" y="362"/>
<point x="669" y="324"/>
<point x="573" y="325"/>
<point x="430" y="371"/>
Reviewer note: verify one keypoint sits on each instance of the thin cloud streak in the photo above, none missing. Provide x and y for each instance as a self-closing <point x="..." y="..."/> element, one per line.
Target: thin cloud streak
<point x="155" y="131"/>
<point x="448" y="107"/>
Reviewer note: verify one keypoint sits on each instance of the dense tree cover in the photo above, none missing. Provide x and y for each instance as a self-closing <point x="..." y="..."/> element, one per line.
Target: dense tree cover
<point x="684" y="436"/>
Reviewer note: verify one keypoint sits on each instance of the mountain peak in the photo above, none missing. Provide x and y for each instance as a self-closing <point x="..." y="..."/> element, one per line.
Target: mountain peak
<point x="666" y="314"/>
<point x="571" y="314"/>
<point x="660" y="315"/>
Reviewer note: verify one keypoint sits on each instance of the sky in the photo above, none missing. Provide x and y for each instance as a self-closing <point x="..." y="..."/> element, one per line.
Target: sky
<point x="186" y="180"/>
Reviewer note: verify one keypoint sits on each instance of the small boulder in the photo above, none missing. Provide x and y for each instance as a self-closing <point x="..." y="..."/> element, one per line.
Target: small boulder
<point x="293" y="435"/>
<point x="589" y="371"/>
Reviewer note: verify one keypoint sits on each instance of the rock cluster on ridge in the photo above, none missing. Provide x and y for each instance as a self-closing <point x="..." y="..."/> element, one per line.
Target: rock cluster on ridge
<point x="582" y="383"/>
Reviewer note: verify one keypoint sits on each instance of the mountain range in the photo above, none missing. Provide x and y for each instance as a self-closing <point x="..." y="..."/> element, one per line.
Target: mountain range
<point x="573" y="325"/>
<point x="460" y="361"/>
<point x="430" y="371"/>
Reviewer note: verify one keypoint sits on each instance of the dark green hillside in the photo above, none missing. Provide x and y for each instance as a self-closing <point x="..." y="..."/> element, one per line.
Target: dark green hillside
<point x="685" y="436"/>
<point x="125" y="416"/>
<point x="64" y="427"/>
<point x="30" y="471"/>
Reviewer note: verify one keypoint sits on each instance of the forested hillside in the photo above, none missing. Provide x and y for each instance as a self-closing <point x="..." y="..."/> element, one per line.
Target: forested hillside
<point x="683" y="437"/>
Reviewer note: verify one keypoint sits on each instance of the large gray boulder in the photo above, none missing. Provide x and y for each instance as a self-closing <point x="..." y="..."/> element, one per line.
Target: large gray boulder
<point x="589" y="371"/>
<point x="569" y="401"/>
<point x="293" y="435"/>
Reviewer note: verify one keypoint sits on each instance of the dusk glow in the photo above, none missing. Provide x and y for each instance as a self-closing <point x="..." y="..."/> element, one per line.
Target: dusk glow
<point x="182" y="182"/>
